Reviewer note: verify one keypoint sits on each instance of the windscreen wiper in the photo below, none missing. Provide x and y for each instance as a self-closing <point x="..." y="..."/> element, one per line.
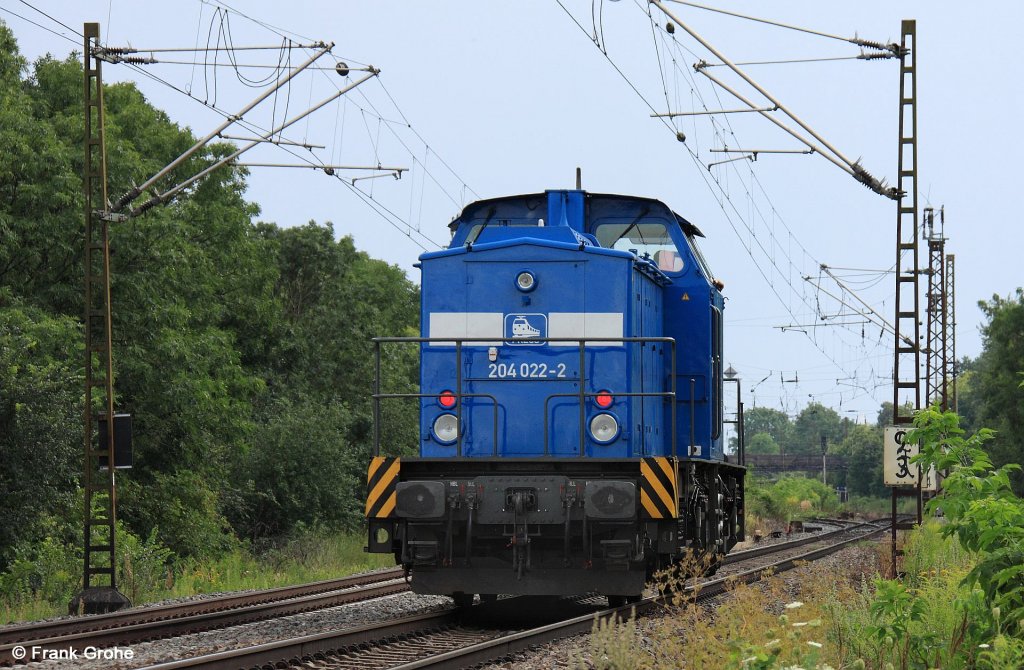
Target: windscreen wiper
<point x="490" y="215"/>
<point x="632" y="225"/>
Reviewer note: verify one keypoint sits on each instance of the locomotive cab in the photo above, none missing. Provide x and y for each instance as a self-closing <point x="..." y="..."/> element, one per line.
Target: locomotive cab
<point x="570" y="432"/>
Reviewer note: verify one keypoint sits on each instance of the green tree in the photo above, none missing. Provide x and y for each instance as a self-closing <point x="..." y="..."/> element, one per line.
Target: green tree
<point x="302" y="470"/>
<point x="335" y="299"/>
<point x="40" y="422"/>
<point x="968" y="401"/>
<point x="991" y="390"/>
<point x="236" y="344"/>
<point x="885" y="417"/>
<point x="762" y="443"/>
<point x="815" y="421"/>
<point x="38" y="191"/>
<point x="862" y="448"/>
<point x="981" y="510"/>
<point x="767" y="420"/>
<point x="192" y="286"/>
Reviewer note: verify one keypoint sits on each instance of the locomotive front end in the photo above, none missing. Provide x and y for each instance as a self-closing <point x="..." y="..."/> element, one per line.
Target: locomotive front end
<point x="547" y="460"/>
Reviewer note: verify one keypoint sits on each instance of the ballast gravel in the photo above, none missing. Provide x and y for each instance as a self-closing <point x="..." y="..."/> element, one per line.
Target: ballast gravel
<point x="261" y="632"/>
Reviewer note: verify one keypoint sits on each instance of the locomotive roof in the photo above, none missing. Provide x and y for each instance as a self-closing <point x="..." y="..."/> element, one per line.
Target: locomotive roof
<point x="471" y="208"/>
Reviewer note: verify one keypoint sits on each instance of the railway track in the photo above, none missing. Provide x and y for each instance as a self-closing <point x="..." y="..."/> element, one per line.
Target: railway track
<point x="143" y="624"/>
<point x="455" y="639"/>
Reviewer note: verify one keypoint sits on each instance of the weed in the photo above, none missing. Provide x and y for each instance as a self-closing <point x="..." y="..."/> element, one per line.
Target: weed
<point x="41" y="583"/>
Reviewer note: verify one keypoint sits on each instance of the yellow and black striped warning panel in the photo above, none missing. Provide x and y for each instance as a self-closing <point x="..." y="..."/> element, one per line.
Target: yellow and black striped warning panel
<point x="381" y="480"/>
<point x="658" y="488"/>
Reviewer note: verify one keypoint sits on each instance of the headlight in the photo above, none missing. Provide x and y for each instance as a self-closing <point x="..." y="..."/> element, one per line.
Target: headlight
<point x="525" y="281"/>
<point x="604" y="428"/>
<point x="446" y="428"/>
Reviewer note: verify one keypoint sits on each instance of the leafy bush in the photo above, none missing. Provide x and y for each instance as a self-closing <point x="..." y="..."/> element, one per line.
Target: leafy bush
<point x="302" y="471"/>
<point x="184" y="508"/>
<point x="46" y="574"/>
<point x="961" y="602"/>
<point x="981" y="511"/>
<point x="930" y="619"/>
<point x="144" y="565"/>
<point x="791" y="497"/>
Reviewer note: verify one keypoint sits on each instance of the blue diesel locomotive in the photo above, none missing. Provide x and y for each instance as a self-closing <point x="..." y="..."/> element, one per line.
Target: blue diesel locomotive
<point x="571" y="412"/>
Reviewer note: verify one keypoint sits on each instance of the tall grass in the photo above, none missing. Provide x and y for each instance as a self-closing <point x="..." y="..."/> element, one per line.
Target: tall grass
<point x="934" y="567"/>
<point x="307" y="558"/>
<point x="147" y="575"/>
<point x="822" y="620"/>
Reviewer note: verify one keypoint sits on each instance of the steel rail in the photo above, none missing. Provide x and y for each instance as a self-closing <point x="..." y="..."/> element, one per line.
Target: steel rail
<point x="45" y="629"/>
<point x="779" y="547"/>
<point x="322" y="643"/>
<point x="323" y="646"/>
<point x="209" y="614"/>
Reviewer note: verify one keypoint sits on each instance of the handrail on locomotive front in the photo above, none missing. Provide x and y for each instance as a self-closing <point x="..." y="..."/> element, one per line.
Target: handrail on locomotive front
<point x="582" y="395"/>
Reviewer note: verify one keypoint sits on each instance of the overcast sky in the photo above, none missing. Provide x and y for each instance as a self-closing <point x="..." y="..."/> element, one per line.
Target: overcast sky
<point x="497" y="98"/>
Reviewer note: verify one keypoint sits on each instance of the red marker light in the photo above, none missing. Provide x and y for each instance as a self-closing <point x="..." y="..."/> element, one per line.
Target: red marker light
<point x="446" y="399"/>
<point x="604" y="399"/>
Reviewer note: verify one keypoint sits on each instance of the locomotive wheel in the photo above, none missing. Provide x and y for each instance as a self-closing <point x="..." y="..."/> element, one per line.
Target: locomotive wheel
<point x="616" y="601"/>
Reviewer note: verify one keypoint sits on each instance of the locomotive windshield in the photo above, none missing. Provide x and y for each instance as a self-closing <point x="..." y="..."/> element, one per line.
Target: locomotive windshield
<point x="478" y="226"/>
<point x="650" y="238"/>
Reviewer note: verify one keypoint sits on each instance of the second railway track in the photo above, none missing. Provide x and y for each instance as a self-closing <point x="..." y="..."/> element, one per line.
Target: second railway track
<point x="170" y="620"/>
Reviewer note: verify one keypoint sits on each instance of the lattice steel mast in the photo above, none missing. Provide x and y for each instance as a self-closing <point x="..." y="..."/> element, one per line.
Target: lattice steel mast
<point x="906" y="372"/>
<point x="100" y="428"/>
<point x="100" y="502"/>
<point x="936" y="361"/>
<point x="907" y="361"/>
<point x="952" y="369"/>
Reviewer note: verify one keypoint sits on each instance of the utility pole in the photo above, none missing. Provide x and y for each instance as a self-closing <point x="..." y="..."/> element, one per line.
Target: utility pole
<point x="105" y="433"/>
<point x="100" y="501"/>
<point x="824" y="467"/>
<point x="936" y="363"/>
<point x="907" y="345"/>
<point x="907" y="362"/>
<point x="952" y="370"/>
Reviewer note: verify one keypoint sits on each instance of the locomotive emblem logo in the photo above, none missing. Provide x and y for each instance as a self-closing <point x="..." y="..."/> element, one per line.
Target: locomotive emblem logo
<point x="525" y="329"/>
